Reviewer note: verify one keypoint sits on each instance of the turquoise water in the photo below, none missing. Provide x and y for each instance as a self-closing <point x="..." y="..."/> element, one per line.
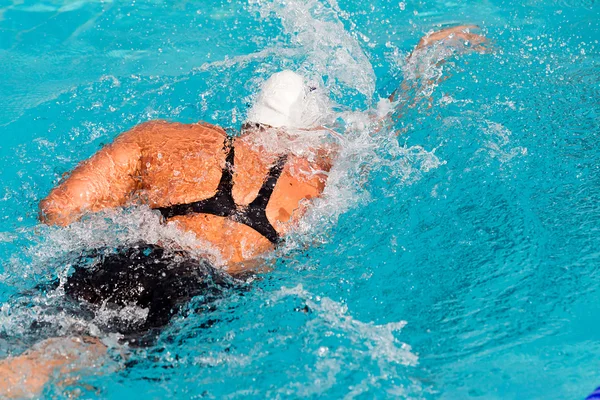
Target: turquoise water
<point x="454" y="255"/>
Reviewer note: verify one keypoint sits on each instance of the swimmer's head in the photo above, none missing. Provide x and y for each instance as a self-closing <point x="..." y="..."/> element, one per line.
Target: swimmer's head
<point x="285" y="100"/>
<point x="280" y="97"/>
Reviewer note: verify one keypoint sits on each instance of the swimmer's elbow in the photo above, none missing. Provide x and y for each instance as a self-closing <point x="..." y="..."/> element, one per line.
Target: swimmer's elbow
<point x="48" y="214"/>
<point x="142" y="132"/>
<point x="51" y="213"/>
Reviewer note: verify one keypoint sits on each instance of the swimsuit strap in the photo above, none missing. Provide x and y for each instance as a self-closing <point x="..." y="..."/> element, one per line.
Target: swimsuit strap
<point x="222" y="203"/>
<point x="266" y="190"/>
<point x="226" y="182"/>
<point x="255" y="214"/>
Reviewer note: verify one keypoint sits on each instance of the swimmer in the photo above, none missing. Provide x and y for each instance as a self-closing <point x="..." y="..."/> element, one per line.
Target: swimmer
<point x="234" y="193"/>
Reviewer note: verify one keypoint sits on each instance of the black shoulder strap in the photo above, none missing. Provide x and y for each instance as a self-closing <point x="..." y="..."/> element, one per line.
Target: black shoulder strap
<point x="255" y="214"/>
<point x="226" y="183"/>
<point x="266" y="190"/>
<point x="221" y="203"/>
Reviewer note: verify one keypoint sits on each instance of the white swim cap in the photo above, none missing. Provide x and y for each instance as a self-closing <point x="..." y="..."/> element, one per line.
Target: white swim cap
<point x="281" y="101"/>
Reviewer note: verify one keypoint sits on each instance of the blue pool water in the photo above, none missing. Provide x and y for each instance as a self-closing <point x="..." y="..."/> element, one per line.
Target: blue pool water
<point x="455" y="255"/>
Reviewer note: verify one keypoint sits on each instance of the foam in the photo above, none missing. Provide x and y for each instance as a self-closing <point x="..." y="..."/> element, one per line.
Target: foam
<point x="363" y="343"/>
<point x="379" y="339"/>
<point x="317" y="32"/>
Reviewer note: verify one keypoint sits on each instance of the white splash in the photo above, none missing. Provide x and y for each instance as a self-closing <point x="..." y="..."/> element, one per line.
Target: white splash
<point x="118" y="228"/>
<point x="131" y="313"/>
<point x="379" y="339"/>
<point x="7" y="237"/>
<point x="498" y="144"/>
<point x="368" y="343"/>
<point x="329" y="49"/>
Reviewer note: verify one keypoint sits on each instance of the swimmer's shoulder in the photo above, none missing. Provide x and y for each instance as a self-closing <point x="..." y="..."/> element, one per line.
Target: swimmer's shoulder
<point x="165" y="131"/>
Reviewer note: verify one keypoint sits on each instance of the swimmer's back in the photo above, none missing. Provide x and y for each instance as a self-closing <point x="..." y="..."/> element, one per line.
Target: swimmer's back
<point x="162" y="164"/>
<point x="182" y="163"/>
<point x="179" y="163"/>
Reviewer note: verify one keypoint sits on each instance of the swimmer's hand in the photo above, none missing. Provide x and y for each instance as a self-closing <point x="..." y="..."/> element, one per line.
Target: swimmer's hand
<point x="432" y="50"/>
<point x="459" y="37"/>
<point x="27" y="374"/>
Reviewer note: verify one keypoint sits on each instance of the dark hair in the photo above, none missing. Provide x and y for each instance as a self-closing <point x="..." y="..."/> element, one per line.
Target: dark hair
<point x="254" y="125"/>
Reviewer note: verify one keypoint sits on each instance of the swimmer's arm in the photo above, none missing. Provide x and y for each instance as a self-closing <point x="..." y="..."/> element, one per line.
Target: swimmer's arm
<point x="420" y="62"/>
<point x="26" y="375"/>
<point x="460" y="38"/>
<point x="455" y="36"/>
<point x="105" y="180"/>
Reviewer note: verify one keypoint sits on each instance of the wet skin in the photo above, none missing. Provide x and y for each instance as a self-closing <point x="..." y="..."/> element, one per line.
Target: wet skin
<point x="160" y="164"/>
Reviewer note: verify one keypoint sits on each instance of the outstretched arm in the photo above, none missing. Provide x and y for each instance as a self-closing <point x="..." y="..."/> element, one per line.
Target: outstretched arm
<point x="105" y="180"/>
<point x="458" y="39"/>
<point x="454" y="36"/>
<point x="420" y="75"/>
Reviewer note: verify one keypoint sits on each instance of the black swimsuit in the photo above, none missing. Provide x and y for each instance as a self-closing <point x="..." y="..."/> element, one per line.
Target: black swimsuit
<point x="222" y="203"/>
